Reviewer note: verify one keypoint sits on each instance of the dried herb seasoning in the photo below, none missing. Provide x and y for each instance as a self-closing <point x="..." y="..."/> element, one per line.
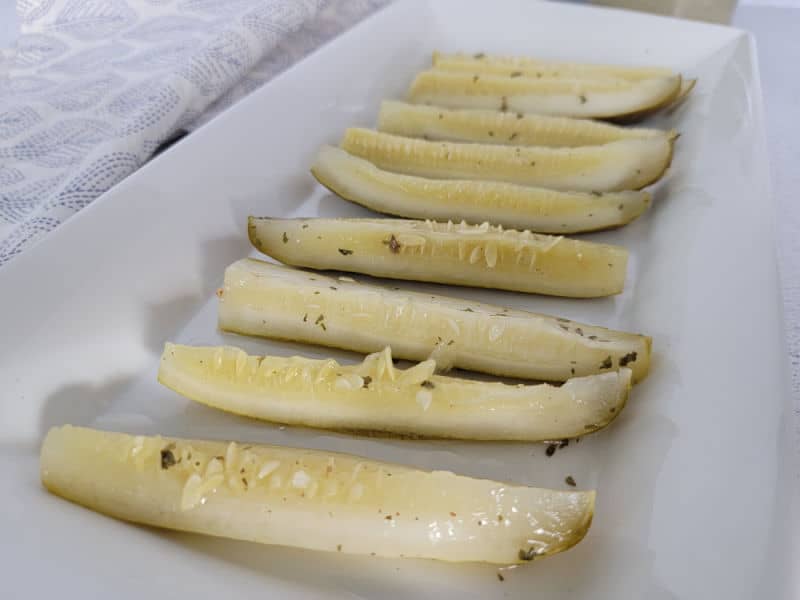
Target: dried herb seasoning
<point x="394" y="245"/>
<point x="528" y="554"/>
<point x="167" y="457"/>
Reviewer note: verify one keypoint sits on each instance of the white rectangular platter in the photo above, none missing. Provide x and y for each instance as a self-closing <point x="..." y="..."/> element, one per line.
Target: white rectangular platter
<point x="692" y="479"/>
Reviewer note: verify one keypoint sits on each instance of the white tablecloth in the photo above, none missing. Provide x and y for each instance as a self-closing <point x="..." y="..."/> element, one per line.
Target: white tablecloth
<point x="94" y="87"/>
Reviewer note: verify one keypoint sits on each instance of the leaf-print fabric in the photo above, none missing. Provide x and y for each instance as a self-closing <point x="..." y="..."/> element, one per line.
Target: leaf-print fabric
<point x="93" y="87"/>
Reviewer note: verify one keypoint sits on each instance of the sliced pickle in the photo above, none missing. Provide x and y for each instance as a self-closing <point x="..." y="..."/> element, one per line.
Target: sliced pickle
<point x="621" y="165"/>
<point x="268" y="300"/>
<point x="375" y="396"/>
<point x="592" y="98"/>
<point x="523" y="207"/>
<point x="310" y="498"/>
<point x="459" y="254"/>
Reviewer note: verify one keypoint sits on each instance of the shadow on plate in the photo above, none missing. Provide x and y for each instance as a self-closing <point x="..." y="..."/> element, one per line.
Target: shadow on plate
<point x="79" y="403"/>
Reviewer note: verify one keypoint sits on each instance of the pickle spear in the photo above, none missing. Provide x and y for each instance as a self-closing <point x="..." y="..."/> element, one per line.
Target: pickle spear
<point x="376" y="396"/>
<point x="622" y="165"/>
<point x="459" y="254"/>
<point x="522" y="207"/>
<point x="504" y="128"/>
<point x="518" y="66"/>
<point x="268" y="300"/>
<point x="310" y="498"/>
<point x="572" y="96"/>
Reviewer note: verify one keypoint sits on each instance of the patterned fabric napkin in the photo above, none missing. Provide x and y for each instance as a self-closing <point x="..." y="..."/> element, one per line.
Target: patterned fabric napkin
<point x="94" y="87"/>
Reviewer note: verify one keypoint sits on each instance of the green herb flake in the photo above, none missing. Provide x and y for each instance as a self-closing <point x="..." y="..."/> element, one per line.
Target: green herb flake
<point x="428" y="384"/>
<point x="285" y="238"/>
<point x="500" y="576"/>
<point x="551" y="449"/>
<point x="516" y="74"/>
<point x="598" y="194"/>
<point x="512" y="136"/>
<point x="570" y="481"/>
<point x="345" y="252"/>
<point x="167" y="457"/>
<point x="582" y="98"/>
<point x="479" y="55"/>
<point x="305" y="318"/>
<point x="628" y="358"/>
<point x="468" y="309"/>
<point x="504" y="104"/>
<point x="528" y="554"/>
<point x="491" y="134"/>
<point x="367" y="381"/>
<point x="394" y="245"/>
<point x="606" y="364"/>
<point x="475" y="78"/>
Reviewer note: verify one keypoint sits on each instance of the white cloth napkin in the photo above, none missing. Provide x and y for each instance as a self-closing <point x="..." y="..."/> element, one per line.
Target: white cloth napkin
<point x="94" y="87"/>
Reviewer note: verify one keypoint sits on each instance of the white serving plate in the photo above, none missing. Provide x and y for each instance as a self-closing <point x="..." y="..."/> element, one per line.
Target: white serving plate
<point x="693" y="478"/>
